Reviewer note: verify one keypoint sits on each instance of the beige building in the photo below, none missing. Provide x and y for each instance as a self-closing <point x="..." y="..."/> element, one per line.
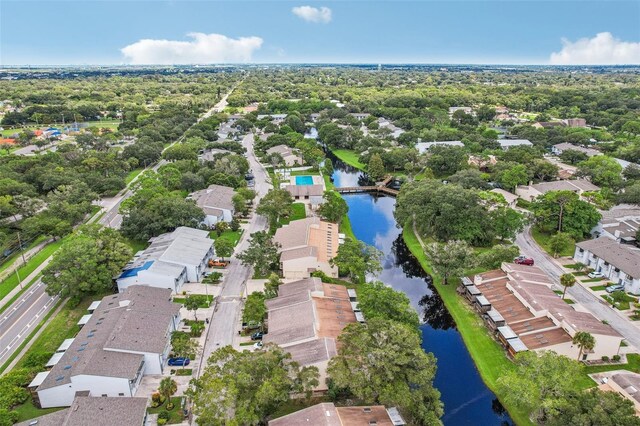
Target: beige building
<point x="306" y="319"/>
<point x="623" y="382"/>
<point x="327" y="414"/>
<point x="307" y="245"/>
<point x="517" y="302"/>
<point x="532" y="191"/>
<point x="510" y="198"/>
<point x="290" y="156"/>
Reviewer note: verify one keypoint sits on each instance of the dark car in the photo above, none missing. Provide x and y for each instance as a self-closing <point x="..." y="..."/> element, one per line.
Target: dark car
<point x="257" y="336"/>
<point x="523" y="260"/>
<point x="179" y="362"/>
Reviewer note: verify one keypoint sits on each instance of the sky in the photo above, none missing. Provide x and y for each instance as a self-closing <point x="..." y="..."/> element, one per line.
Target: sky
<point x="105" y="32"/>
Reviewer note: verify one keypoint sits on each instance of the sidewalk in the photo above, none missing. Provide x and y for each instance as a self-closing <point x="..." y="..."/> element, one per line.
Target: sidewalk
<point x="25" y="281"/>
<point x="18" y="262"/>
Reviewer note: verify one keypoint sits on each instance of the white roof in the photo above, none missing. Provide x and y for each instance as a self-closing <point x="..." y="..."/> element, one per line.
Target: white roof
<point x="359" y="316"/>
<point x="85" y="319"/>
<point x="37" y="381"/>
<point x="517" y="345"/>
<point x="495" y="315"/>
<point x="514" y="142"/>
<point x="54" y="359"/>
<point x="65" y="345"/>
<point x="354" y="307"/>
<point x="482" y="300"/>
<point x="351" y="292"/>
<point x="507" y="332"/>
<point x="425" y="146"/>
<point x="93" y="306"/>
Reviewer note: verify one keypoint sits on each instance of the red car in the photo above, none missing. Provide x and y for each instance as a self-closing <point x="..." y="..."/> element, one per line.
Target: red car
<point x="523" y="260"/>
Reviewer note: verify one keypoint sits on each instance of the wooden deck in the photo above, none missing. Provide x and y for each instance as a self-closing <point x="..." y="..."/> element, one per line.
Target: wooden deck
<point x="361" y="189"/>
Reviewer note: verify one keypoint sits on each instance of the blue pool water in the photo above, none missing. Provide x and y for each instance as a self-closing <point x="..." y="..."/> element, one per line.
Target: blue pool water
<point x="304" y="180"/>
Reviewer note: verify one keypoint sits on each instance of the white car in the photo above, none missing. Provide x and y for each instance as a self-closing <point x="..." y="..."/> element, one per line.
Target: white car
<point x="596" y="275"/>
<point x="257" y="346"/>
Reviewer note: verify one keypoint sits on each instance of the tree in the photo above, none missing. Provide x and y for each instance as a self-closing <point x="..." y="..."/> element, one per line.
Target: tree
<point x="47" y="225"/>
<point x="245" y="388"/>
<point x="394" y="372"/>
<point x="86" y="263"/>
<point x="334" y="207"/>
<point x="168" y="387"/>
<point x="507" y="222"/>
<point x="239" y="204"/>
<point x="564" y="211"/>
<point x="630" y="194"/>
<point x="375" y="169"/>
<point x="470" y="179"/>
<point x="514" y="176"/>
<point x="183" y="346"/>
<point x="573" y="156"/>
<point x="192" y="303"/>
<point x="254" y="308"/>
<point x="567" y="280"/>
<point x="560" y="242"/>
<point x="224" y="248"/>
<point x="446" y="160"/>
<point x="538" y="381"/>
<point x="220" y="227"/>
<point x="602" y="170"/>
<point x="493" y="258"/>
<point x="276" y="204"/>
<point x="585" y="342"/>
<point x="328" y="167"/>
<point x="485" y="113"/>
<point x="450" y="259"/>
<point x="271" y="286"/>
<point x="377" y="300"/>
<point x="594" y="408"/>
<point x="262" y="253"/>
<point x="357" y="259"/>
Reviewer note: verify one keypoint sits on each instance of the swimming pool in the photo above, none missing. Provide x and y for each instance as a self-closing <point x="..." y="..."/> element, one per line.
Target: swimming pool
<point x="304" y="180"/>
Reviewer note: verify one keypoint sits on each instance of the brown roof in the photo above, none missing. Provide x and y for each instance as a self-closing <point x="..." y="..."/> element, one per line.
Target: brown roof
<point x="531" y="325"/>
<point x="630" y="382"/>
<point x="305" y="233"/>
<point x="307" y="284"/>
<point x="305" y="190"/>
<point x="543" y="339"/>
<point x="299" y="253"/>
<point x="566" y="185"/>
<point x="324" y="414"/>
<point x="364" y="416"/>
<point x="312" y="352"/>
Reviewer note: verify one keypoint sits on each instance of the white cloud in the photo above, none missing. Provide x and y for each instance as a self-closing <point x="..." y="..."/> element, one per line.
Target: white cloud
<point x="202" y="49"/>
<point x="320" y="15"/>
<point x="603" y="49"/>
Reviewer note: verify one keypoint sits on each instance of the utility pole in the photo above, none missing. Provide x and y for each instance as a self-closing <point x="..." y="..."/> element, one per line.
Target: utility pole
<point x="24" y="261"/>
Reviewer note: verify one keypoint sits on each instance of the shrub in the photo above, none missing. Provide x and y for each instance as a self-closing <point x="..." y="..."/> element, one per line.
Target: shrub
<point x="616" y="358"/>
<point x="161" y="422"/>
<point x="37" y="360"/>
<point x="170" y="406"/>
<point x="605" y="358"/>
<point x="156" y="399"/>
<point x="196" y="329"/>
<point x="164" y="415"/>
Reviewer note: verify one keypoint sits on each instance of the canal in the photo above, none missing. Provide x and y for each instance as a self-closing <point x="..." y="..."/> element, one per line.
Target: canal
<point x="467" y="401"/>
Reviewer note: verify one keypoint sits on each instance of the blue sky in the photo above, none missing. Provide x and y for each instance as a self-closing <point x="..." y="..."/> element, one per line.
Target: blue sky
<point x="515" y="32"/>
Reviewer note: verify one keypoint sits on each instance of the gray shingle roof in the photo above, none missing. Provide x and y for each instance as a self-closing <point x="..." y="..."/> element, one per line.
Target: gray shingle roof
<point x="622" y="256"/>
<point x="215" y="197"/>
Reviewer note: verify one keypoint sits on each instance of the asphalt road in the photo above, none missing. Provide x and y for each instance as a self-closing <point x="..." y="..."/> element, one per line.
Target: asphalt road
<point x="591" y="302"/>
<point x="225" y="319"/>
<point x="19" y="320"/>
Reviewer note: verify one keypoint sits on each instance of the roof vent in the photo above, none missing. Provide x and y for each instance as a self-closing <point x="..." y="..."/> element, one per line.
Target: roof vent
<point x="367" y="409"/>
<point x="67" y="367"/>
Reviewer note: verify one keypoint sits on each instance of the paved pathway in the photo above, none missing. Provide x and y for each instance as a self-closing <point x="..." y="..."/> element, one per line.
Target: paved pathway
<point x="586" y="298"/>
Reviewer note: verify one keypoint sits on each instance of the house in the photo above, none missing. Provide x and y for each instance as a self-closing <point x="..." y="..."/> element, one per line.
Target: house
<point x="423" y="147"/>
<point x="466" y="110"/>
<point x="620" y="223"/>
<point x="308" y="189"/>
<point x="394" y="130"/>
<point x="307" y="245"/>
<point x="216" y="202"/>
<point x="306" y="318"/>
<point x="510" y="198"/>
<point x="624" y="163"/>
<point x="233" y="118"/>
<point x="327" y="414"/>
<point x="506" y="144"/>
<point x="620" y="263"/>
<point x="548" y="124"/>
<point x="532" y="191"/>
<point x="275" y="118"/>
<point x="624" y="382"/>
<point x="575" y="122"/>
<point x="290" y="156"/>
<point x="210" y="154"/>
<point x="360" y="115"/>
<point x="127" y="337"/>
<point x="96" y="411"/>
<point x="561" y="147"/>
<point x="527" y="315"/>
<point x="170" y="260"/>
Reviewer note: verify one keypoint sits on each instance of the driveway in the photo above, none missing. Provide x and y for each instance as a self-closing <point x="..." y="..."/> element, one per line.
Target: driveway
<point x="587" y="299"/>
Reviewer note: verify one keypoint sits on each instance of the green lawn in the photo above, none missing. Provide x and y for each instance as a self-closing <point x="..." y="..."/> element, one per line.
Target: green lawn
<point x="132" y="175"/>
<point x="542" y="238"/>
<point x="598" y="287"/>
<point x="136" y="245"/>
<point x="203" y="302"/>
<point x="592" y="280"/>
<point x="11" y="281"/>
<point x="28" y="411"/>
<point x="350" y="157"/>
<point x="633" y="364"/>
<point x="309" y="172"/>
<point x="233" y="236"/>
<point x="104" y="124"/>
<point x="622" y="305"/>
<point x="175" y="415"/>
<point x="488" y="355"/>
<point x="298" y="212"/>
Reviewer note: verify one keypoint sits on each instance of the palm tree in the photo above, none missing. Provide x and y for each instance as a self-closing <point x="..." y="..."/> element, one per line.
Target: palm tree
<point x="585" y="342"/>
<point x="567" y="280"/>
<point x="167" y="388"/>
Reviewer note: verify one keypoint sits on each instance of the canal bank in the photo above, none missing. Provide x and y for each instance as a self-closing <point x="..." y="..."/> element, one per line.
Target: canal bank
<point x="467" y="399"/>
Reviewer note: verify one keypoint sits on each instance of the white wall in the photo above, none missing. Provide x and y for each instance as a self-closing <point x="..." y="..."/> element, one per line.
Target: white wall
<point x="153" y="279"/>
<point x="62" y="396"/>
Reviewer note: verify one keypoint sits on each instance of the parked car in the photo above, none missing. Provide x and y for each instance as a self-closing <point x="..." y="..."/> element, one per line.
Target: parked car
<point x="257" y="336"/>
<point x="218" y="263"/>
<point x="258" y="346"/>
<point x="179" y="361"/>
<point x="523" y="260"/>
<point x="595" y="274"/>
<point x="614" y="288"/>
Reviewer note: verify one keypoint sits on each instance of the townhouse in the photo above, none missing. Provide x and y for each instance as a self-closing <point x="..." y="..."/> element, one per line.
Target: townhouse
<point x="532" y="191"/>
<point x="216" y="202"/>
<point x="327" y="414"/>
<point x="619" y="263"/>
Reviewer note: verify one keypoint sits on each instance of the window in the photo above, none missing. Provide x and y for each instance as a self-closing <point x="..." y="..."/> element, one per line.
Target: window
<point x="120" y="394"/>
<point x="104" y="395"/>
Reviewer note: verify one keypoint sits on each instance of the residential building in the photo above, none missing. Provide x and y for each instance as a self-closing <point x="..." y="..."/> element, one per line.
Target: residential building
<point x="327" y="414"/>
<point x="624" y="382"/>
<point x="170" y="260"/>
<point x="275" y="118"/>
<point x="548" y="124"/>
<point x="510" y="198"/>
<point x="308" y="189"/>
<point x="233" y="118"/>
<point x="620" y="263"/>
<point x="290" y="156"/>
<point x="394" y="130"/>
<point x="216" y="202"/>
<point x="96" y="411"/>
<point x="466" y="110"/>
<point x="518" y="303"/>
<point x="532" y="191"/>
<point x="575" y="122"/>
<point x="210" y="154"/>
<point x="558" y="149"/>
<point x="306" y="318"/>
<point x="506" y="144"/>
<point x="127" y="337"/>
<point x="307" y="245"/>
<point x="423" y="147"/>
<point x="360" y="115"/>
<point x="624" y="163"/>
<point x="620" y="223"/>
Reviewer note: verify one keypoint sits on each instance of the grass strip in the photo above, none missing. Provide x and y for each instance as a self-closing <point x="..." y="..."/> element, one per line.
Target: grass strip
<point x="350" y="157"/>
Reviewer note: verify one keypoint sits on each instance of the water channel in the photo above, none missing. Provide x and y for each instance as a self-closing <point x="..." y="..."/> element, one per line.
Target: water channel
<point x="467" y="401"/>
